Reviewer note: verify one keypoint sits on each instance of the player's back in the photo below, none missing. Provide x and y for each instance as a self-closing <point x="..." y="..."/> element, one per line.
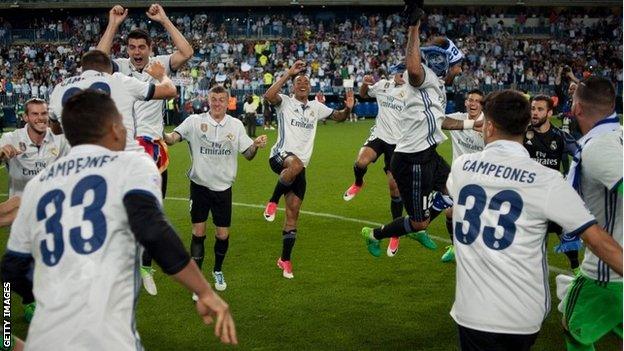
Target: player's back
<point x="503" y="200"/>
<point x="86" y="279"/>
<point x="124" y="91"/>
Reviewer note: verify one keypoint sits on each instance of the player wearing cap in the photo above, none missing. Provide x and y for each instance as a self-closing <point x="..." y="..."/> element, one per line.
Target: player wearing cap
<point x="593" y="305"/>
<point x="215" y="139"/>
<point x="149" y="114"/>
<point x="91" y="211"/>
<point x="297" y="121"/>
<point x="503" y="202"/>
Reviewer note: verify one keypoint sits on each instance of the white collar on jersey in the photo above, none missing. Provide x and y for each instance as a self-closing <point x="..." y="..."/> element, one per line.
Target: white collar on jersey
<point x="507" y="147"/>
<point x="303" y="105"/>
<point x="91" y="72"/>
<point x="214" y="123"/>
<point x="46" y="139"/>
<point x="87" y="148"/>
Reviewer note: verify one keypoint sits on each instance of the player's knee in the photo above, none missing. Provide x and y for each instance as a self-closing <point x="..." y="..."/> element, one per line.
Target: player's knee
<point x="394" y="189"/>
<point x="296" y="166"/>
<point x="199" y="230"/>
<point x="222" y="235"/>
<point x="418" y="225"/>
<point x="362" y="162"/>
<point x="449" y="213"/>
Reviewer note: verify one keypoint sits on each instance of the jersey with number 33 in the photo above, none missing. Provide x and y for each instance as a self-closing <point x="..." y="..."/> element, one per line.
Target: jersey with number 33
<point x="86" y="279"/>
<point x="503" y="202"/>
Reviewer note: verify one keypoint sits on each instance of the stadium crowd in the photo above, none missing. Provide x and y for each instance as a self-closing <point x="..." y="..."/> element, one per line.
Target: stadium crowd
<point x="102" y="113"/>
<point x="337" y="50"/>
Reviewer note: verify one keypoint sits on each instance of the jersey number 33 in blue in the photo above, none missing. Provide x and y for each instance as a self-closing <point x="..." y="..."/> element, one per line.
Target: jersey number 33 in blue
<point x="473" y="216"/>
<point x="92" y="214"/>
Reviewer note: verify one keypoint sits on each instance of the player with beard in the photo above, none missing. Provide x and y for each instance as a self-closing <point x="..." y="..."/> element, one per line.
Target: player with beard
<point x="549" y="146"/>
<point x="503" y="203"/>
<point x="149" y="114"/>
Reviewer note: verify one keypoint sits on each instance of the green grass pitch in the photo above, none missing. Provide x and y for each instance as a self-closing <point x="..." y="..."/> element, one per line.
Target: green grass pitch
<point x="341" y="297"/>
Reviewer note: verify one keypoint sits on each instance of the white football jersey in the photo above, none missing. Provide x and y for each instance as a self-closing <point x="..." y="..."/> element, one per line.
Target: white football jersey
<point x="503" y="202"/>
<point x="421" y="119"/>
<point x="149" y="114"/>
<point x="601" y="175"/>
<point x="86" y="280"/>
<point x="465" y="141"/>
<point x="125" y="91"/>
<point x="214" y="149"/>
<point x="32" y="159"/>
<point x="390" y="99"/>
<point x="296" y="123"/>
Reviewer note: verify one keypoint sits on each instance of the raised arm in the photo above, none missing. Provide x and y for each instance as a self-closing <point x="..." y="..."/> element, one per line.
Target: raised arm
<point x="413" y="62"/>
<point x="116" y="16"/>
<point x="343" y="114"/>
<point x="271" y="94"/>
<point x="367" y="81"/>
<point x="184" y="50"/>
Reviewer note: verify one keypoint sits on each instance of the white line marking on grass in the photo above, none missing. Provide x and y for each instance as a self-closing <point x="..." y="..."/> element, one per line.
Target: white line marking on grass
<point x="355" y="220"/>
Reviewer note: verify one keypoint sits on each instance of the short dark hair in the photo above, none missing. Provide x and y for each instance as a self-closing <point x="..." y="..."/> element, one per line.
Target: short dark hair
<point x="476" y="91"/>
<point x="596" y="91"/>
<point x="33" y="101"/>
<point x="139" y="34"/>
<point x="547" y="99"/>
<point x="85" y="115"/>
<point x="509" y="110"/>
<point x="218" y="89"/>
<point x="96" y="60"/>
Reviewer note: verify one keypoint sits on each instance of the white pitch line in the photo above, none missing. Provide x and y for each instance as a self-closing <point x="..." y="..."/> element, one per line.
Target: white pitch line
<point x="356" y="220"/>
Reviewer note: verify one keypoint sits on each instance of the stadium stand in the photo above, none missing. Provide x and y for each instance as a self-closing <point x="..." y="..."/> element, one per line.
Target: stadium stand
<point x="525" y="48"/>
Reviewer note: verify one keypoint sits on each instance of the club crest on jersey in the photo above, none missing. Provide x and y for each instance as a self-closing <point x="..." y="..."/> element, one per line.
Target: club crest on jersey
<point x="54" y="151"/>
<point x="203" y="127"/>
<point x="401" y="94"/>
<point x="387" y="85"/>
<point x="22" y="146"/>
<point x="230" y="136"/>
<point x="553" y="145"/>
